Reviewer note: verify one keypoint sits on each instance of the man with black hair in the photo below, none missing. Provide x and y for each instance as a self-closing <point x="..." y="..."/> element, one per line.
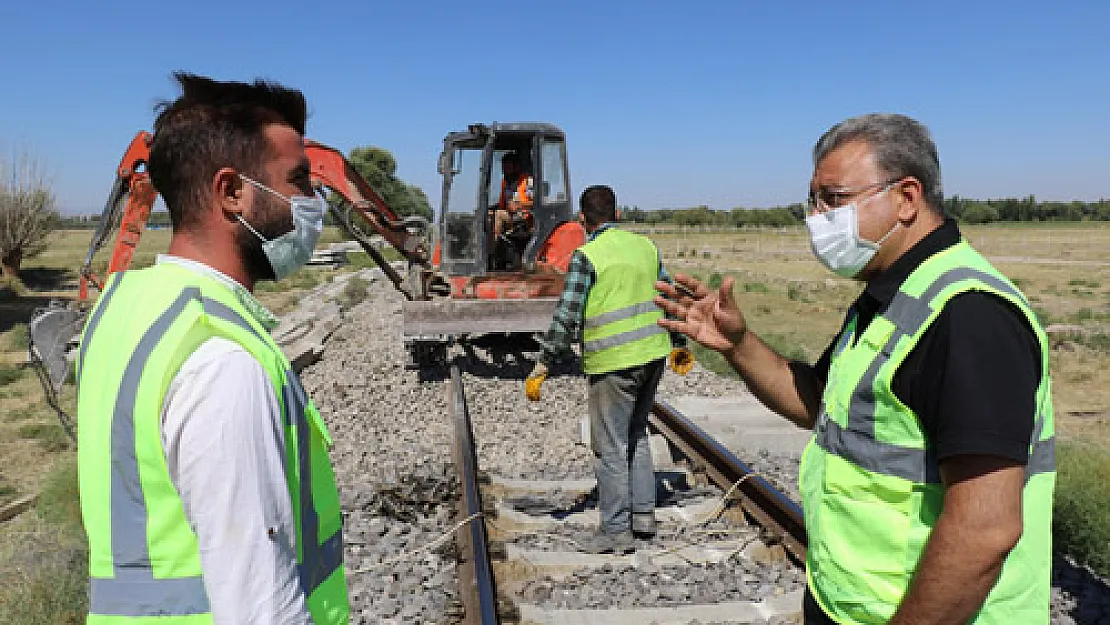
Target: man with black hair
<point x="206" y="488"/>
<point x="607" y="304"/>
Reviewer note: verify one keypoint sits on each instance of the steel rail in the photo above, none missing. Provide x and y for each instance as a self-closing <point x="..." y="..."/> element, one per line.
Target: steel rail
<point x="769" y="507"/>
<point x="476" y="584"/>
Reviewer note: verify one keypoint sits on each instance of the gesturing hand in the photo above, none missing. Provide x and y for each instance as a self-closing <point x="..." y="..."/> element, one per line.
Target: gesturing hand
<point x="711" y="318"/>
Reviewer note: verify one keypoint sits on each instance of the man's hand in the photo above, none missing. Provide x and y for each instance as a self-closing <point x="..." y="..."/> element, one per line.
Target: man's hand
<point x="534" y="381"/>
<point x="682" y="360"/>
<point x="979" y="524"/>
<point x="711" y="318"/>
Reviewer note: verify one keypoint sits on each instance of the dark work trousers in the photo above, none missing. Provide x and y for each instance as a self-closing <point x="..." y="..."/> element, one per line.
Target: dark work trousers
<point x="619" y="405"/>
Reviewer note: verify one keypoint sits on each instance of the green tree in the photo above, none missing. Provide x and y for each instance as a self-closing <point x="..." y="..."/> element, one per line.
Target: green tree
<point x="979" y="212"/>
<point x="632" y="214"/>
<point x="378" y="167"/>
<point x="28" y="212"/>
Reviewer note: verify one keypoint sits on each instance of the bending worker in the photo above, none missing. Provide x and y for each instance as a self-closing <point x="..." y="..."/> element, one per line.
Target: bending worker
<point x="206" y="490"/>
<point x="928" y="483"/>
<point x="607" y="303"/>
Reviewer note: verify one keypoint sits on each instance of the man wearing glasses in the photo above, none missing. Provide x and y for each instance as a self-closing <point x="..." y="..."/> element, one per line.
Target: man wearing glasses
<point x="928" y="483"/>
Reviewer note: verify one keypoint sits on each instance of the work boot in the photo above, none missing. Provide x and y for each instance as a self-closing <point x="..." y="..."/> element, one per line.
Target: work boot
<point x="644" y="524"/>
<point x="607" y="542"/>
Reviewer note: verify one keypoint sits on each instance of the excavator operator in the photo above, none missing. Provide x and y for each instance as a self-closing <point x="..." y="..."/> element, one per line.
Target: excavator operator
<point x="513" y="214"/>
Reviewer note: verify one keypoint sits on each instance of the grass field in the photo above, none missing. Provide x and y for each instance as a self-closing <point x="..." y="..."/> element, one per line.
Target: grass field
<point x="797" y="305"/>
<point x="789" y="299"/>
<point x="42" y="553"/>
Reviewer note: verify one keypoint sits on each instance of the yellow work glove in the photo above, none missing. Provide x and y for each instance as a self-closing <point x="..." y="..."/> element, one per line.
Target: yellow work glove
<point x="534" y="381"/>
<point x="682" y="360"/>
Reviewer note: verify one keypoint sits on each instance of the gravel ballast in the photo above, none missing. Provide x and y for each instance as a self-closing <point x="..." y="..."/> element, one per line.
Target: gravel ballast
<point x="392" y="459"/>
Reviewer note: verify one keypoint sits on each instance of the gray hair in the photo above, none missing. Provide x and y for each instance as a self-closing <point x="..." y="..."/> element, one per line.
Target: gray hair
<point x="901" y="145"/>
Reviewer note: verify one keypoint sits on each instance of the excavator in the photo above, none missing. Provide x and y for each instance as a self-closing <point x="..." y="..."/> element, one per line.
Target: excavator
<point x="461" y="282"/>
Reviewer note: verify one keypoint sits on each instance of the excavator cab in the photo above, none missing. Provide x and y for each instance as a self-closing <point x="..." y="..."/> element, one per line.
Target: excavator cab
<point x="507" y="285"/>
<point x="472" y="185"/>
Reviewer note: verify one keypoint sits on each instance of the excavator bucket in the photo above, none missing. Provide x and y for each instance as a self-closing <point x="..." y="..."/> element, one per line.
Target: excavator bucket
<point x="456" y="318"/>
<point x="54" y="332"/>
<point x="430" y="326"/>
<point x="52" y="348"/>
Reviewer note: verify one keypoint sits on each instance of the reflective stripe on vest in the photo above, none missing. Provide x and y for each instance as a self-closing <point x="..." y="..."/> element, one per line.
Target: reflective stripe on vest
<point x="94" y="320"/>
<point x="870" y="482"/>
<point x="132" y="591"/>
<point x="617" y="340"/>
<point x="620" y="328"/>
<point x="624" y="337"/>
<point x="857" y="443"/>
<point x="319" y="560"/>
<point x="619" y="314"/>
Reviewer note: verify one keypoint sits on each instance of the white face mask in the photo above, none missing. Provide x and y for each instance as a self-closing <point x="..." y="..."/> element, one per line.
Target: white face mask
<point x="834" y="235"/>
<point x="291" y="251"/>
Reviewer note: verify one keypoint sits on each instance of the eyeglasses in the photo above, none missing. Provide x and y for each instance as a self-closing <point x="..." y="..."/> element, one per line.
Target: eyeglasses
<point x="828" y="198"/>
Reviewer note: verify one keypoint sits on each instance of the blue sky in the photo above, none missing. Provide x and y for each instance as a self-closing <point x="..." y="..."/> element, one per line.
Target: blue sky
<point x="672" y="103"/>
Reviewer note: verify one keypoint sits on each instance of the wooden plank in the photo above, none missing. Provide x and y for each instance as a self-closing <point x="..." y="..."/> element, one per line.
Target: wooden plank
<point x="17" y="507"/>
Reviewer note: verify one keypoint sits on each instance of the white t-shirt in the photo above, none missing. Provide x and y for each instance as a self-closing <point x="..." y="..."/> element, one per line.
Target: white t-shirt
<point x="224" y="442"/>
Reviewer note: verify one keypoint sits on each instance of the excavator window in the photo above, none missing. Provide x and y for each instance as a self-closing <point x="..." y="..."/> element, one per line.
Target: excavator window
<point x="554" y="184"/>
<point x="460" y="232"/>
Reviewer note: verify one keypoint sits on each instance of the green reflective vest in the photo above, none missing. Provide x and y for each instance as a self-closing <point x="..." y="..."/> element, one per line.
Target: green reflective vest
<point x="619" y="324"/>
<point x="144" y="563"/>
<point x="870" y="484"/>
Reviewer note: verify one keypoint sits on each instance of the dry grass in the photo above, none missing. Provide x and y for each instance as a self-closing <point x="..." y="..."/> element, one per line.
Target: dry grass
<point x="28" y="427"/>
<point x="42" y="554"/>
<point x="43" y="557"/>
<point x="796" y="305"/>
<point x="791" y="299"/>
<point x="788" y="297"/>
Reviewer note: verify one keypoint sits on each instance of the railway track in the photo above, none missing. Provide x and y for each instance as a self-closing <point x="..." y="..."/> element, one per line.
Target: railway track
<point x="729" y="549"/>
<point x="401" y="498"/>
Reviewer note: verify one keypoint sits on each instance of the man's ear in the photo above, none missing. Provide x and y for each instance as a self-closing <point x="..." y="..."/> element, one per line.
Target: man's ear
<point x="229" y="192"/>
<point x="910" y="194"/>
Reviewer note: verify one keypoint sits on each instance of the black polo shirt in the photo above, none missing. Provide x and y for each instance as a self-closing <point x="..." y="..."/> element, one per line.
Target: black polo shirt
<point x="972" y="377"/>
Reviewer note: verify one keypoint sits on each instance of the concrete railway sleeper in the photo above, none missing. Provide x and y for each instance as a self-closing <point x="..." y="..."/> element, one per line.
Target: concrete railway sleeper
<point x="728" y="549"/>
<point x="401" y="498"/>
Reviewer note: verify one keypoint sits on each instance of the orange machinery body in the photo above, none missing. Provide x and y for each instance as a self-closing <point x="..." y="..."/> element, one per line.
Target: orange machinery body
<point x="493" y="302"/>
<point x="545" y="281"/>
<point x="132" y="181"/>
<point x="135" y="193"/>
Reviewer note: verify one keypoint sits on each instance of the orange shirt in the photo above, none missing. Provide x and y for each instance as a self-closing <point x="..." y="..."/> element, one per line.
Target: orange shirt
<point x="523" y="194"/>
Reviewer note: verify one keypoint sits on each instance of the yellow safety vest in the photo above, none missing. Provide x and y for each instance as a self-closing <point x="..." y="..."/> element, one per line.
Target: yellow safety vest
<point x="870" y="484"/>
<point x="144" y="563"/>
<point x="619" y="323"/>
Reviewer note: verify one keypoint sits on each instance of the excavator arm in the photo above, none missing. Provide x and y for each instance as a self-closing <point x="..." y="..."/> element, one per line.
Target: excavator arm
<point x="333" y="172"/>
<point x="132" y="195"/>
<point x="54" y="329"/>
<point x="132" y="198"/>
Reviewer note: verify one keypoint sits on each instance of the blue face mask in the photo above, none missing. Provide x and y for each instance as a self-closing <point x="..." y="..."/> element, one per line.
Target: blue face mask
<point x="291" y="251"/>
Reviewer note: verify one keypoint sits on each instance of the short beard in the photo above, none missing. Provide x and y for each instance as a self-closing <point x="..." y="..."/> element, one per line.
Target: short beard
<point x="250" y="246"/>
<point x="254" y="259"/>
